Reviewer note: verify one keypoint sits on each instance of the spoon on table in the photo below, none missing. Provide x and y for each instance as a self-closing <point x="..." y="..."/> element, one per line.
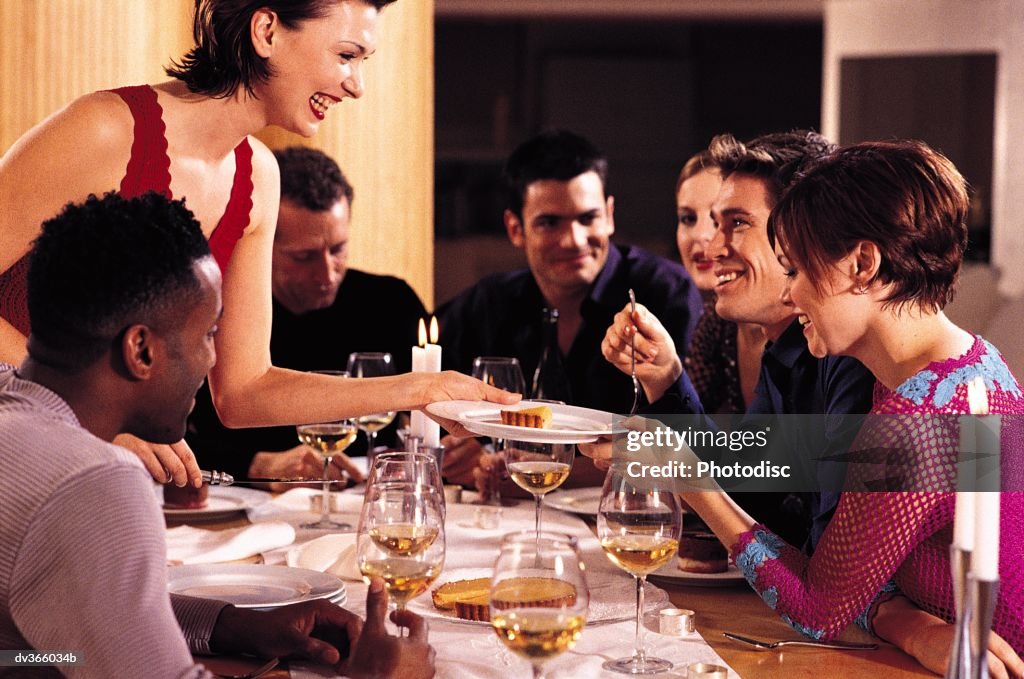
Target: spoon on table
<point x="769" y="645"/>
<point x="258" y="672"/>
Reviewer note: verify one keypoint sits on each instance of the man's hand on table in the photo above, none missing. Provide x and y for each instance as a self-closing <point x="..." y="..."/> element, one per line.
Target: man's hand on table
<point x="300" y="462"/>
<point x="321" y="632"/>
<point x="378" y="654"/>
<point x="175" y="463"/>
<point x="317" y="631"/>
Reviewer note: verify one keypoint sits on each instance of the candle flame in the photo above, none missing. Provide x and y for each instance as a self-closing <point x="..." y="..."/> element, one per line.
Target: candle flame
<point x="433" y="329"/>
<point x="422" y="333"/>
<point x="977" y="396"/>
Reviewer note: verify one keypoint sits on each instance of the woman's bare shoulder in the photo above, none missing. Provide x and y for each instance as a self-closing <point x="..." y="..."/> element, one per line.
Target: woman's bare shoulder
<point x="266" y="182"/>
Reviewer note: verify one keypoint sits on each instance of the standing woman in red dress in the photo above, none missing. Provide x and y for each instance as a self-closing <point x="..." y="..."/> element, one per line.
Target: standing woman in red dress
<point x="255" y="63"/>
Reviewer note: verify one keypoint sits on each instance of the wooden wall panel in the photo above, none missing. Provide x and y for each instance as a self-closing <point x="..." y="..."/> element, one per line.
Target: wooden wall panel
<point x="385" y="144"/>
<point x="57" y="50"/>
<point x="64" y="48"/>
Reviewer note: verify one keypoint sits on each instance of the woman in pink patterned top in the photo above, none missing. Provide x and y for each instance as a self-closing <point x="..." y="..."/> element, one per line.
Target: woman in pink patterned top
<point x="872" y="237"/>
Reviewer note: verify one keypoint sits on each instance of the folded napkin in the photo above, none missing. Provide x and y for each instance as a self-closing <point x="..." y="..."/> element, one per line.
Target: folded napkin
<point x="188" y="545"/>
<point x="334" y="554"/>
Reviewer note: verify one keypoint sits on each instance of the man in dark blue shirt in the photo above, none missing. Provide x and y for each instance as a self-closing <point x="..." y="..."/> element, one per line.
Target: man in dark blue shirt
<point x="750" y="288"/>
<point x="560" y="214"/>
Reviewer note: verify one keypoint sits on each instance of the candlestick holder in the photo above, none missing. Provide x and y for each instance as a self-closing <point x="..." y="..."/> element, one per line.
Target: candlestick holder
<point x="413" y="443"/>
<point x="982" y="605"/>
<point x="960" y="654"/>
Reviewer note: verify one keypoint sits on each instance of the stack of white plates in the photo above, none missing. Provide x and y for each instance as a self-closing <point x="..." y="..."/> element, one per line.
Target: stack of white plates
<point x="255" y="585"/>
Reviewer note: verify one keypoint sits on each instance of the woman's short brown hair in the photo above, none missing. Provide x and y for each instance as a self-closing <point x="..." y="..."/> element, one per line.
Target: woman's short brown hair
<point x="905" y="197"/>
<point x="224" y="58"/>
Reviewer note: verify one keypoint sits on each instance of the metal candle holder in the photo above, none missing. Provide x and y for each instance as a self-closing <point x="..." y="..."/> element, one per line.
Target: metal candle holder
<point x="960" y="656"/>
<point x="982" y="603"/>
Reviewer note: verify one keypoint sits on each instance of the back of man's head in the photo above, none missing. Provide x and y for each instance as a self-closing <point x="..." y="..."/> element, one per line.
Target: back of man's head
<point x="775" y="157"/>
<point x="553" y="154"/>
<point x="105" y="264"/>
<point x="311" y="179"/>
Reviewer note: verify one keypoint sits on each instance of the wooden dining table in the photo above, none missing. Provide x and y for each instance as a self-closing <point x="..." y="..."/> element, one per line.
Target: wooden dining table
<point x="732" y="608"/>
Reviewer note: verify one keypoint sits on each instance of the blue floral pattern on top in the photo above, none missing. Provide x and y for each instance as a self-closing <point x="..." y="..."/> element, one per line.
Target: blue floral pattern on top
<point x="990" y="366"/>
<point x="815" y="634"/>
<point x="763" y="546"/>
<point x="917" y="386"/>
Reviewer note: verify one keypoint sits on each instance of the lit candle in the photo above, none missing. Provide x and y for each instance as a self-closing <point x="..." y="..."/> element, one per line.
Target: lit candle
<point x="417" y="420"/>
<point x="985" y="557"/>
<point x="432" y="360"/>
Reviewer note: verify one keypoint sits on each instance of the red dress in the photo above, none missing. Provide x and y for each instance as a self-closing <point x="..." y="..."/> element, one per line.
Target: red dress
<point x="148" y="170"/>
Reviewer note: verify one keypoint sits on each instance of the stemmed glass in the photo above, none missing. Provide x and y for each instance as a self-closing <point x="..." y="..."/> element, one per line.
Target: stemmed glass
<point x="528" y="564"/>
<point x="638" y="524"/>
<point x="401" y="537"/>
<point x="538" y="468"/>
<point x="371" y="364"/>
<point x="327" y="439"/>
<point x="505" y="373"/>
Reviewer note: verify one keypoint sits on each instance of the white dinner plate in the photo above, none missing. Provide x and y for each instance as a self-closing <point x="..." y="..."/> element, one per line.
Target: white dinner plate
<point x="575" y="500"/>
<point x="671" y="573"/>
<point x="253" y="585"/>
<point x="569" y="424"/>
<point x="221" y="502"/>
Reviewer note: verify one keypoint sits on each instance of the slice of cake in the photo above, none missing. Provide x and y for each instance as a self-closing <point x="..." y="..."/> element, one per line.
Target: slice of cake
<point x="538" y="417"/>
<point x="471" y="600"/>
<point x="701" y="552"/>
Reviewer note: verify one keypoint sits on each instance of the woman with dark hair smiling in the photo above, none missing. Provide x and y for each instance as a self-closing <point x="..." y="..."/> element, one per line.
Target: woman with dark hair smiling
<point x="255" y="64"/>
<point x="872" y="237"/>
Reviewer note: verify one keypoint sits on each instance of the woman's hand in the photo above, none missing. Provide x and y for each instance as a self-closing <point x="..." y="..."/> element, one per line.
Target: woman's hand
<point x="657" y="364"/>
<point x="450" y="385"/>
<point x="175" y="463"/>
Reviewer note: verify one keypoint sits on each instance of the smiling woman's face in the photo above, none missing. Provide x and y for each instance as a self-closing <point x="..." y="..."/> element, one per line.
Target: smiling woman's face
<point x="317" y="65"/>
<point x="694" y="226"/>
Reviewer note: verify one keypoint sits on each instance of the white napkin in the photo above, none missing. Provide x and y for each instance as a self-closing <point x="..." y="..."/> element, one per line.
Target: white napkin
<point x="188" y="545"/>
<point x="296" y="505"/>
<point x="334" y="554"/>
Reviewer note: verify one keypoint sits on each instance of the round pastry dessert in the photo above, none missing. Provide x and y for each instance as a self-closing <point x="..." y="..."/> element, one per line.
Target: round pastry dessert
<point x="188" y="497"/>
<point x="471" y="599"/>
<point x="701" y="552"/>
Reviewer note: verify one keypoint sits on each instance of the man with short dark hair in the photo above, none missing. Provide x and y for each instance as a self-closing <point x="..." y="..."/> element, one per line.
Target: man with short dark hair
<point x="124" y="298"/>
<point x="560" y="213"/>
<point x="323" y="310"/>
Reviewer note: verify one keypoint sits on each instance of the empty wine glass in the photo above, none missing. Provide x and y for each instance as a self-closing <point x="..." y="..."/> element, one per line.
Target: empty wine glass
<point x="327" y="439"/>
<point x="538" y="468"/>
<point x="401" y="537"/>
<point x="505" y="373"/>
<point x="543" y="569"/>
<point x="638" y="524"/>
<point x="371" y="364"/>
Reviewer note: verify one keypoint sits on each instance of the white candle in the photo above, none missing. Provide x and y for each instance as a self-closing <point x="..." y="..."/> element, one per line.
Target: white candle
<point x="985" y="558"/>
<point x="432" y="363"/>
<point x="963" y="519"/>
<point x="417" y="420"/>
<point x="985" y="554"/>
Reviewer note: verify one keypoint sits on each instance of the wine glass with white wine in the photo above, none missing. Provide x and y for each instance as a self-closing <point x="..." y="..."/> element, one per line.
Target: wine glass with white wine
<point x="327" y="439"/>
<point x="538" y="468"/>
<point x="372" y="364"/>
<point x="638" y="525"/>
<point x="505" y="373"/>
<point x="401" y="537"/>
<point x="543" y="569"/>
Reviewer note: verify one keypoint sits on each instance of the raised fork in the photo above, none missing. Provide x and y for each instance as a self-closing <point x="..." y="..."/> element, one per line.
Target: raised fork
<point x="770" y="645"/>
<point x="256" y="673"/>
<point x="632" y="358"/>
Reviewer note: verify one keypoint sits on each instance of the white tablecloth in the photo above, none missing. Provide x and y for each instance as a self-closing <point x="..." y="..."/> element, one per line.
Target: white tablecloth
<point x="472" y="650"/>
